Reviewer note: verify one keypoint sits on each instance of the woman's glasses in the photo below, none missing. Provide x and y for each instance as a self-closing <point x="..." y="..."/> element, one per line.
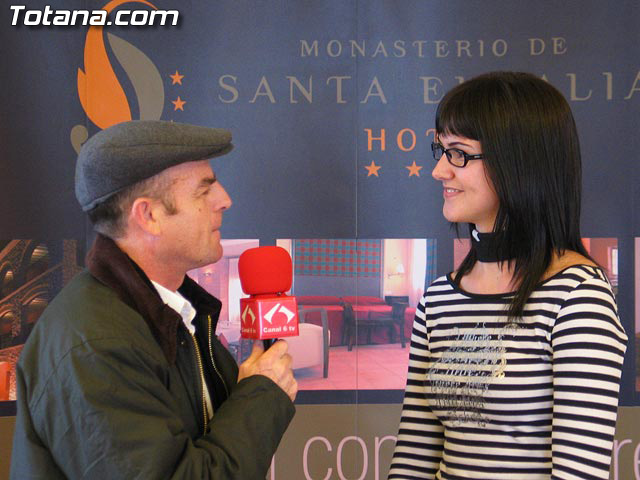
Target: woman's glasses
<point x="455" y="156"/>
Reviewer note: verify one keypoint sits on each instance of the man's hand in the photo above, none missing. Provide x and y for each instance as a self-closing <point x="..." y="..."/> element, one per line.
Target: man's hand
<point x="275" y="363"/>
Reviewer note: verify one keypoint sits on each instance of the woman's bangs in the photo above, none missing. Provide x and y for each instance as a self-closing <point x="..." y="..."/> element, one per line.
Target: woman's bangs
<point x="454" y="117"/>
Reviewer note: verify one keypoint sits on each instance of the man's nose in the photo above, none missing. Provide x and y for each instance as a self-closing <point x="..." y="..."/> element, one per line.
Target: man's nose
<point x="223" y="199"/>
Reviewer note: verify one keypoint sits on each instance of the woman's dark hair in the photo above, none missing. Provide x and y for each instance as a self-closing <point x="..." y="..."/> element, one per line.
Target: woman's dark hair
<point x="531" y="155"/>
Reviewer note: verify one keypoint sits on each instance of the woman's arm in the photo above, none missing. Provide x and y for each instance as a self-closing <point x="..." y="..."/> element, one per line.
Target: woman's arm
<point x="588" y="349"/>
<point x="421" y="435"/>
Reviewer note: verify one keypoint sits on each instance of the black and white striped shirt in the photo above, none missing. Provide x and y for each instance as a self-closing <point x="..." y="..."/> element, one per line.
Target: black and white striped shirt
<point x="533" y="399"/>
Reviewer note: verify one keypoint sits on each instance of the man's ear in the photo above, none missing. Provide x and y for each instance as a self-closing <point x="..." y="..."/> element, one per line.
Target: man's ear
<point x="144" y="215"/>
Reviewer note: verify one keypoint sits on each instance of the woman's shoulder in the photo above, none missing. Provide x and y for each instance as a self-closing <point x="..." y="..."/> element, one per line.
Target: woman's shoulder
<point x="573" y="275"/>
<point x="442" y="281"/>
<point x="438" y="286"/>
<point x="566" y="260"/>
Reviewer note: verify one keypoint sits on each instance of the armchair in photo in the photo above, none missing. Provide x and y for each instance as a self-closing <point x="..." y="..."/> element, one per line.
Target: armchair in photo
<point x="311" y="346"/>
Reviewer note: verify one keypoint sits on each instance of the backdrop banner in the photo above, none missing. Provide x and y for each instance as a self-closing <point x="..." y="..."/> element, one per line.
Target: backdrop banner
<point x="331" y="104"/>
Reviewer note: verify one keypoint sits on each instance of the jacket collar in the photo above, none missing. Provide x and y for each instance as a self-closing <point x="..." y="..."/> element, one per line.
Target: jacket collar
<point x="111" y="266"/>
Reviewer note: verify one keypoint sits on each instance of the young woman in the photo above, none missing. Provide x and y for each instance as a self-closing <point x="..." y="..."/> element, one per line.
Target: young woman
<point x="516" y="357"/>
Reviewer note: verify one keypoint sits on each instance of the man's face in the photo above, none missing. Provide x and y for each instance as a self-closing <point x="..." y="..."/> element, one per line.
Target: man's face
<point x="190" y="237"/>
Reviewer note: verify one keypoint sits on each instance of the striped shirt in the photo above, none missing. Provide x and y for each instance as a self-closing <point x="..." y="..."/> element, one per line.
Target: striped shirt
<point x="532" y="399"/>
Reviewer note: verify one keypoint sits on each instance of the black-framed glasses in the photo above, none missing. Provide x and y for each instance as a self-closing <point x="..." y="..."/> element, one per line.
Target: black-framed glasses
<point x="455" y="156"/>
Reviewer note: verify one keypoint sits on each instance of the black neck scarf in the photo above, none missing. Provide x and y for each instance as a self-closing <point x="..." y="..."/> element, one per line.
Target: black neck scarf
<point x="486" y="247"/>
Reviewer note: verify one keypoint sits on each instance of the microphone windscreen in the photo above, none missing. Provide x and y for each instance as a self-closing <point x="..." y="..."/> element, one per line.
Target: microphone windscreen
<point x="265" y="270"/>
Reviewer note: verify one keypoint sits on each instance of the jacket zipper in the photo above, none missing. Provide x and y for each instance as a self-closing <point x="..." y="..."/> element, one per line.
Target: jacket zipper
<point x="213" y="362"/>
<point x="204" y="400"/>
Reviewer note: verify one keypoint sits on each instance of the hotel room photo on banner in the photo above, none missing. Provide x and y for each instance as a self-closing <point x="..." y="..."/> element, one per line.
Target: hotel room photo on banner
<point x="356" y="304"/>
<point x="32" y="272"/>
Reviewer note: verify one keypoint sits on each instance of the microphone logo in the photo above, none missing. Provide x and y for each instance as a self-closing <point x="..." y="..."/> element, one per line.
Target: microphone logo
<point x="248" y="311"/>
<point x="269" y="317"/>
<point x="280" y="309"/>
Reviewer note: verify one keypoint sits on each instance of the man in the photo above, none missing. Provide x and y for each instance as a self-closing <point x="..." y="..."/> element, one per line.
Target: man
<point x="123" y="376"/>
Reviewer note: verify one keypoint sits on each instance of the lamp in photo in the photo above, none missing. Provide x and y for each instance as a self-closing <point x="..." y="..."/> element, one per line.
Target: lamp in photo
<point x="397" y="271"/>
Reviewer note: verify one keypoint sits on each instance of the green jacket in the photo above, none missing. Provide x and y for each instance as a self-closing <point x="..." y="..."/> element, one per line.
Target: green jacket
<point x="109" y="387"/>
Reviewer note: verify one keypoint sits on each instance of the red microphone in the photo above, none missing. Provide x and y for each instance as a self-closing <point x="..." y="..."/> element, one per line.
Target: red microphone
<point x="266" y="273"/>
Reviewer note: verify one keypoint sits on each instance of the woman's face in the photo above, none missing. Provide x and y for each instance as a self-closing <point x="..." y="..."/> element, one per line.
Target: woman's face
<point x="469" y="196"/>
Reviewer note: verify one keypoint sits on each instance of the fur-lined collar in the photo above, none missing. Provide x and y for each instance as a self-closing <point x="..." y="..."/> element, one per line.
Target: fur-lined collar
<point x="111" y="266"/>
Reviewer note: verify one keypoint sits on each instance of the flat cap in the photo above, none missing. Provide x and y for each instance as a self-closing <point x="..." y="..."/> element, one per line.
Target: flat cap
<point x="129" y="152"/>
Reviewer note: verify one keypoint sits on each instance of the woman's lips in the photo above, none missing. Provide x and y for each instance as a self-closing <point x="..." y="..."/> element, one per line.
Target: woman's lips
<point x="449" y="192"/>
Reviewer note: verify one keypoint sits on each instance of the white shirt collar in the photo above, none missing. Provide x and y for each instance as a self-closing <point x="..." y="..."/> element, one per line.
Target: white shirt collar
<point x="188" y="313"/>
<point x="179" y="304"/>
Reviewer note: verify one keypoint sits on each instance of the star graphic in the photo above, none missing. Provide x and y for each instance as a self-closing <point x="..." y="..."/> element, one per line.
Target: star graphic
<point x="373" y="169"/>
<point x="177" y="78"/>
<point x="178" y="104"/>
<point x="414" y="169"/>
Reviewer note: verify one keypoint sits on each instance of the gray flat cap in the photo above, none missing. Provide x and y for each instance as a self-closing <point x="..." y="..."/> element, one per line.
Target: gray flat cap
<point x="129" y="152"/>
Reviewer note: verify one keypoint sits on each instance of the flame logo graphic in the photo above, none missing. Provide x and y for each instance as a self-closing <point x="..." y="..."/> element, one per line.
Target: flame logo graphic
<point x="101" y="94"/>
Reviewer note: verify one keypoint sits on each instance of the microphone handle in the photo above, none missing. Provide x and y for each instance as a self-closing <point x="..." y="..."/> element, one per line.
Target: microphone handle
<point x="267" y="342"/>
